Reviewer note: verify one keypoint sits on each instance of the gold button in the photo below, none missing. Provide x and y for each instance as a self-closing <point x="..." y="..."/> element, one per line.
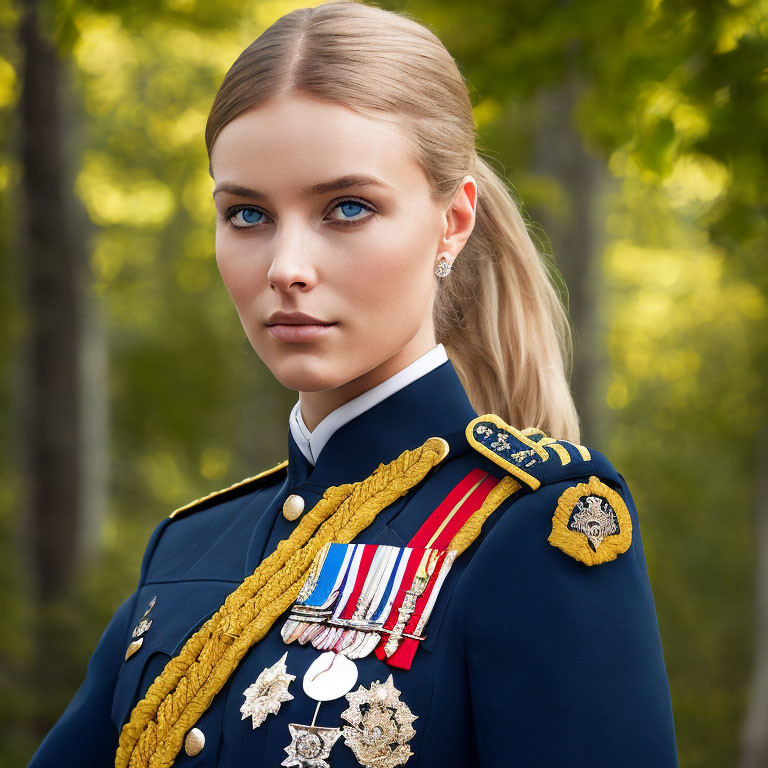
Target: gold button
<point x="194" y="743"/>
<point x="293" y="507"/>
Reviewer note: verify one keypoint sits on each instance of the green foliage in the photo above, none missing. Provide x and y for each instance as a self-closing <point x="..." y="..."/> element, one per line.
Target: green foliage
<point x="672" y="97"/>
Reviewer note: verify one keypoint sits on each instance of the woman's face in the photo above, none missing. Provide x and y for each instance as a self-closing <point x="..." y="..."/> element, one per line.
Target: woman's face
<point x="322" y="211"/>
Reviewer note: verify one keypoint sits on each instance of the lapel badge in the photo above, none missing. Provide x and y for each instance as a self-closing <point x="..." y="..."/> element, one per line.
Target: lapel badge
<point x="591" y="523"/>
<point x="310" y="745"/>
<point x="133" y="646"/>
<point x="266" y="695"/>
<point x="380" y="725"/>
<point x="144" y="623"/>
<point x="141" y="627"/>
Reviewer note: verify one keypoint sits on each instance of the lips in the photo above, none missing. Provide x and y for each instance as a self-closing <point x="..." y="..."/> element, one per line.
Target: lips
<point x="297" y="326"/>
<point x="294" y="318"/>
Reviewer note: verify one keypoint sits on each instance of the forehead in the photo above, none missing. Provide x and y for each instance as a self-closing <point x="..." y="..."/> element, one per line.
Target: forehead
<point x="289" y="143"/>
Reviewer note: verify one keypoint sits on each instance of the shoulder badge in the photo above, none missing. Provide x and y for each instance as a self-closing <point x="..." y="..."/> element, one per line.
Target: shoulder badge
<point x="529" y="454"/>
<point x="235" y="487"/>
<point x="591" y="523"/>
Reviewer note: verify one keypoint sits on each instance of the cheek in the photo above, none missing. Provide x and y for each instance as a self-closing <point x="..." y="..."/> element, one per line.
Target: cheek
<point x="389" y="290"/>
<point x="240" y="273"/>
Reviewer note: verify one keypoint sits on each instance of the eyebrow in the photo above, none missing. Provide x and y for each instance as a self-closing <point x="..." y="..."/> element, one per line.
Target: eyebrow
<point x="351" y="180"/>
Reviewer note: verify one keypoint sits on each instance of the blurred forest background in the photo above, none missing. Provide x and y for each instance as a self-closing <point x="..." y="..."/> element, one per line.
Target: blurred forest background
<point x="634" y="133"/>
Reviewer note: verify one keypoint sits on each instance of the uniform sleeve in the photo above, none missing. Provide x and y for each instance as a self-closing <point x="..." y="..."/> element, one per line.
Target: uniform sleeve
<point x="85" y="733"/>
<point x="564" y="659"/>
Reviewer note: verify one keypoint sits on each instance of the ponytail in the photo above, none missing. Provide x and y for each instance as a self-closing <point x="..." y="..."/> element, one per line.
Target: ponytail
<point x="502" y="322"/>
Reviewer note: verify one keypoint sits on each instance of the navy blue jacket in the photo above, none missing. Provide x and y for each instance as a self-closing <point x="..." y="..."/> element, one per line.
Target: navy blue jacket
<point x="531" y="657"/>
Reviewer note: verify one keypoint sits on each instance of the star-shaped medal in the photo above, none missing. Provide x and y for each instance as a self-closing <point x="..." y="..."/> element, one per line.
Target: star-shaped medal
<point x="310" y="745"/>
<point x="270" y="690"/>
<point x="381" y="725"/>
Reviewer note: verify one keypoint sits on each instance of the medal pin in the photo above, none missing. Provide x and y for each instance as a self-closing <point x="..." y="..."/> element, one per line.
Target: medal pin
<point x="330" y="676"/>
<point x="352" y="636"/>
<point x="319" y="592"/>
<point x="292" y="628"/>
<point x="365" y="639"/>
<point x="266" y="695"/>
<point x="444" y="568"/>
<point x="420" y="581"/>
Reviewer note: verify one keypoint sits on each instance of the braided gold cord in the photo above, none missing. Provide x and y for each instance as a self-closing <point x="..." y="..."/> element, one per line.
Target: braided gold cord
<point x="185" y="688"/>
<point x="471" y="529"/>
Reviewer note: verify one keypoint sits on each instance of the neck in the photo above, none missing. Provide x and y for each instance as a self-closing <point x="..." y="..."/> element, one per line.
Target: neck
<point x="315" y="406"/>
<point x="431" y="404"/>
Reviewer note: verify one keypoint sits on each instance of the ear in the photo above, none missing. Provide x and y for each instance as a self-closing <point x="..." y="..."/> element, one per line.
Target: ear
<point x="459" y="219"/>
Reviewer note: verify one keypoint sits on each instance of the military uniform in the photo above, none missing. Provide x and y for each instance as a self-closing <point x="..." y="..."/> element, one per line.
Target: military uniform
<point x="541" y="646"/>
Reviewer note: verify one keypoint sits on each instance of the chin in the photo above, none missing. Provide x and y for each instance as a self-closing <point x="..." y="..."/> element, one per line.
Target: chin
<point x="303" y="377"/>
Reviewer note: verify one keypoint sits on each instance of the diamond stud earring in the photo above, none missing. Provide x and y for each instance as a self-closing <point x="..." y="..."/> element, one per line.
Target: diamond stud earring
<point x="443" y="267"/>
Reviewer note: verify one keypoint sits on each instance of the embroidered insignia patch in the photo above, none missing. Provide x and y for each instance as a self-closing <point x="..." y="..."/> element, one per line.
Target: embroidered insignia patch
<point x="529" y="454"/>
<point x="591" y="523"/>
<point x="506" y="446"/>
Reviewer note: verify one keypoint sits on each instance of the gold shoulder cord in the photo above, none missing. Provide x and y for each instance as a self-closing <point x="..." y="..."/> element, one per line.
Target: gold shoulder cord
<point x="185" y="688"/>
<point x="471" y="529"/>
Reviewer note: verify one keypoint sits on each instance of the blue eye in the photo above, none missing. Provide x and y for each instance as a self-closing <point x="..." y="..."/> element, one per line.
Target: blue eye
<point x="350" y="204"/>
<point x="350" y="208"/>
<point x="248" y="216"/>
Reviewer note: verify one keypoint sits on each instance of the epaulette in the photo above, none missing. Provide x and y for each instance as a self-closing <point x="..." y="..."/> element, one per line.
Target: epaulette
<point x="231" y="491"/>
<point x="530" y="454"/>
<point x="591" y="522"/>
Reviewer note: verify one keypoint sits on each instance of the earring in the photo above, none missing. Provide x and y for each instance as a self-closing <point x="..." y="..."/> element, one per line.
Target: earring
<point x="443" y="267"/>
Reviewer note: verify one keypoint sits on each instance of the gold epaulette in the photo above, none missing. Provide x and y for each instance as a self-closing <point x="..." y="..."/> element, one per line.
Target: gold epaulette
<point x="527" y="454"/>
<point x="232" y="487"/>
<point x="591" y="522"/>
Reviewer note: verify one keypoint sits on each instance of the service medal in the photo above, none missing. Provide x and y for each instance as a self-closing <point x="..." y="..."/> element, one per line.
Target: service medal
<point x="356" y="593"/>
<point x="380" y="725"/>
<point x="265" y="696"/>
<point x="329" y="677"/>
<point x="310" y="745"/>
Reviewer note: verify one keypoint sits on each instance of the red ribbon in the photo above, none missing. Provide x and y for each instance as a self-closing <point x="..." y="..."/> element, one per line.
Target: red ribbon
<point x="482" y="483"/>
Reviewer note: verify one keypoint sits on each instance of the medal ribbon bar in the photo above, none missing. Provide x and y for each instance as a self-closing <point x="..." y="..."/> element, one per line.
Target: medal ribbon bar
<point x="360" y="598"/>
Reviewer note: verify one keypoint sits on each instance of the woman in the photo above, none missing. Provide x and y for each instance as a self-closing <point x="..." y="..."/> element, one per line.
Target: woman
<point x="417" y="584"/>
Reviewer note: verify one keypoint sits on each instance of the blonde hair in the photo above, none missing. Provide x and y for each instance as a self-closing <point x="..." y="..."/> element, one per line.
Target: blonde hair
<point x="498" y="313"/>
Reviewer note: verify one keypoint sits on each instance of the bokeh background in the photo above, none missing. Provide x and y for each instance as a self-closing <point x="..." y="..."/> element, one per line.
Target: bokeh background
<point x="634" y="135"/>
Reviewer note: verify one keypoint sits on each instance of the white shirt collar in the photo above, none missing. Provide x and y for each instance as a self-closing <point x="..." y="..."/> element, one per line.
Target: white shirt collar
<point x="311" y="443"/>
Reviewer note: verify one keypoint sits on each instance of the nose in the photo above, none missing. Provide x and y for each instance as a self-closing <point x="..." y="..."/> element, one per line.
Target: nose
<point x="291" y="266"/>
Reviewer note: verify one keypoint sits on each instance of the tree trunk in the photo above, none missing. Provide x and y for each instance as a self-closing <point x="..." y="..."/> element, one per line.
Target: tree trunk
<point x="50" y="256"/>
<point x="755" y="733"/>
<point x="94" y="430"/>
<point x="575" y="235"/>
